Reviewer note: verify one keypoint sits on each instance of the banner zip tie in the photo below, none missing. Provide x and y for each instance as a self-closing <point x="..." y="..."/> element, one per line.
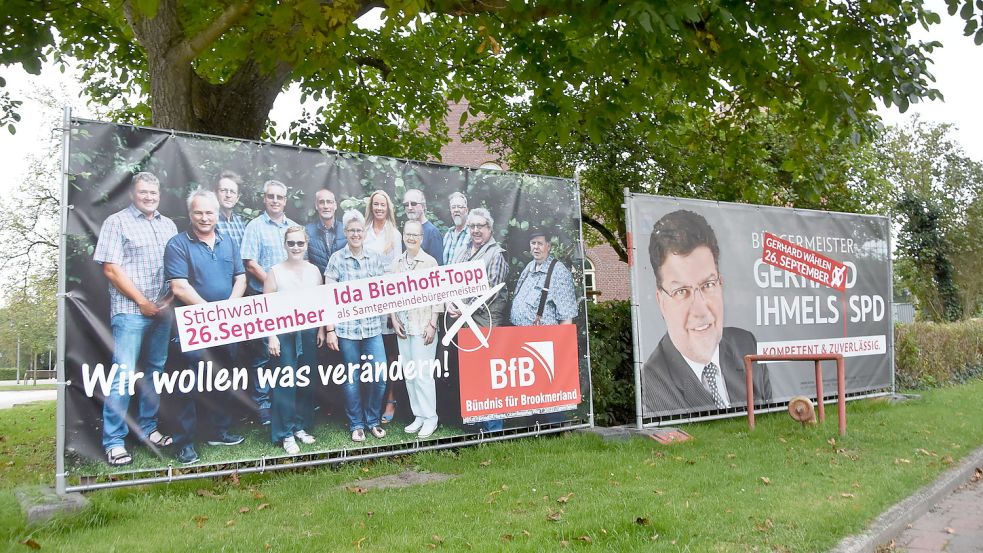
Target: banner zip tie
<point x="63" y="295"/>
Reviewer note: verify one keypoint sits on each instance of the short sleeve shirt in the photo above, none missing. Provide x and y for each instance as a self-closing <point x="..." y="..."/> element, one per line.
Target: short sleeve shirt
<point x="454" y="243"/>
<point x="136" y="244"/>
<point x="234" y="227"/>
<point x="344" y="266"/>
<point x="561" y="299"/>
<point x="263" y="243"/>
<point x="211" y="271"/>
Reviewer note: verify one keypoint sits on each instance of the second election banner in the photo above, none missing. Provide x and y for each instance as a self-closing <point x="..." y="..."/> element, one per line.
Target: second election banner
<point x="714" y="282"/>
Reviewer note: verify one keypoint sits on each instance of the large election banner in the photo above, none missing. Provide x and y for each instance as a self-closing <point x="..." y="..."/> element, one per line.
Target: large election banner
<point x="714" y="282"/>
<point x="234" y="304"/>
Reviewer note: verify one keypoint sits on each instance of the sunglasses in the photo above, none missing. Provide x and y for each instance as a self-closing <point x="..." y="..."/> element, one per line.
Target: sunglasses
<point x="412" y="204"/>
<point x="275" y="197"/>
<point x="295" y="243"/>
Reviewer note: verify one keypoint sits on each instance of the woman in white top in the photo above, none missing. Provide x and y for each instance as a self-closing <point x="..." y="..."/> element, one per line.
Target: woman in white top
<point x="293" y="407"/>
<point x="383" y="238"/>
<point x="381" y="234"/>
<point x="417" y="332"/>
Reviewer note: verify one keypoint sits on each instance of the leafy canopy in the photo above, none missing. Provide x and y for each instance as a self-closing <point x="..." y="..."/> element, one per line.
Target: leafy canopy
<point x="216" y="66"/>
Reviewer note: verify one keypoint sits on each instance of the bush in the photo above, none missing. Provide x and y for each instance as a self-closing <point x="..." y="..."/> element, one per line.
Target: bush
<point x="612" y="376"/>
<point x="10" y="373"/>
<point x="929" y="355"/>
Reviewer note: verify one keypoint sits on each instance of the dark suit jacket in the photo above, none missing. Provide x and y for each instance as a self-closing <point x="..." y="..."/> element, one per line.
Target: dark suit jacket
<point x="317" y="251"/>
<point x="670" y="386"/>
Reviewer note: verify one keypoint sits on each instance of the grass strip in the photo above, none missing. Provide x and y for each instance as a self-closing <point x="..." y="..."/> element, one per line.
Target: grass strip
<point x="783" y="487"/>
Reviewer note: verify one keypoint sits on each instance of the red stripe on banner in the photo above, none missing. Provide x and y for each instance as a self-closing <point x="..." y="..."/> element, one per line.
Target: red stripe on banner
<point x="802" y="261"/>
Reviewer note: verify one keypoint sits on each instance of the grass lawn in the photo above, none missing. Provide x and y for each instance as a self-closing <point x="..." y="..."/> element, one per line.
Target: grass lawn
<point x="28" y="387"/>
<point x="780" y="488"/>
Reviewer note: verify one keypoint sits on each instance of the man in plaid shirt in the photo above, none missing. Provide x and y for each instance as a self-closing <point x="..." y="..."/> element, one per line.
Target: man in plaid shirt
<point x="131" y="251"/>
<point x="457" y="238"/>
<point x="229" y="224"/>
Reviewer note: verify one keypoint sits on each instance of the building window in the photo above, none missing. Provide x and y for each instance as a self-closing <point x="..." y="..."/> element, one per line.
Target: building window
<point x="491" y="165"/>
<point x="590" y="282"/>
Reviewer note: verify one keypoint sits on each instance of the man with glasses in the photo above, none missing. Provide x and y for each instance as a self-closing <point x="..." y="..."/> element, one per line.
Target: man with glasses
<point x="699" y="364"/>
<point x="262" y="248"/>
<point x="227" y="190"/>
<point x="457" y="238"/>
<point x="327" y="233"/>
<point x="415" y="205"/>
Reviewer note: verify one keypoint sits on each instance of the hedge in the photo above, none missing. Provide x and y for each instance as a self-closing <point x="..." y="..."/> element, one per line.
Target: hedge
<point x="929" y="355"/>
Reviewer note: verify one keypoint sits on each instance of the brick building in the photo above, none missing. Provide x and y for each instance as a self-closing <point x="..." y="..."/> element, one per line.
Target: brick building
<point x="605" y="275"/>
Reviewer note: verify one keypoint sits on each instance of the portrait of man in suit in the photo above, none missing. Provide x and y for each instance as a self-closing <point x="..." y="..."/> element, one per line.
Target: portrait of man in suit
<point x="699" y="363"/>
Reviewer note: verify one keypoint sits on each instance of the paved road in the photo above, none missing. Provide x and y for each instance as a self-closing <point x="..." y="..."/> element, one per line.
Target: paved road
<point x="954" y="526"/>
<point x="9" y="399"/>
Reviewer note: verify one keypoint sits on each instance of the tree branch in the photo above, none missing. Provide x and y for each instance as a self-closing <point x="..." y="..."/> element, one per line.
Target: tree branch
<point x="378" y="63"/>
<point x="187" y="50"/>
<point x="607" y="234"/>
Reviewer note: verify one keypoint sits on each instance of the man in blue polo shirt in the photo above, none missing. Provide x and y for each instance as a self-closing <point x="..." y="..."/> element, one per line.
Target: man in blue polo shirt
<point x="203" y="265"/>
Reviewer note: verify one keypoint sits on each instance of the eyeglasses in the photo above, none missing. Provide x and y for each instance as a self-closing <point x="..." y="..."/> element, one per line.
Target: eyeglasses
<point x="412" y="204"/>
<point x="228" y="192"/>
<point x="273" y="197"/>
<point x="354" y="231"/>
<point x="295" y="243"/>
<point x="411" y="235"/>
<point x="477" y="226"/>
<point x="684" y="294"/>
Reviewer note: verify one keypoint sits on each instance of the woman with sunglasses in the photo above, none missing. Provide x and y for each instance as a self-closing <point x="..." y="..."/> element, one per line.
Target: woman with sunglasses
<point x="293" y="407"/>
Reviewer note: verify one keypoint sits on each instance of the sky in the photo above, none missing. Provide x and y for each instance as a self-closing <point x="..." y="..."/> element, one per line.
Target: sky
<point x="954" y="70"/>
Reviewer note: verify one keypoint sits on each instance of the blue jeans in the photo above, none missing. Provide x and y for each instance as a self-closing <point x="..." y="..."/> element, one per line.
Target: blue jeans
<point x="363" y="401"/>
<point x="293" y="408"/>
<point x="140" y="346"/>
<point x="184" y="434"/>
<point x="260" y="358"/>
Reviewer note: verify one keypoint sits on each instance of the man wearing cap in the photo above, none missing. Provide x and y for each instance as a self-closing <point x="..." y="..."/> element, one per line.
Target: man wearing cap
<point x="544" y="294"/>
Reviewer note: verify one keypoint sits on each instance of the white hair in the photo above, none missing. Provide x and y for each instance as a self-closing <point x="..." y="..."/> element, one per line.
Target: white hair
<point x="270" y="183"/>
<point x="483" y="213"/>
<point x="352" y="215"/>
<point x="202" y="193"/>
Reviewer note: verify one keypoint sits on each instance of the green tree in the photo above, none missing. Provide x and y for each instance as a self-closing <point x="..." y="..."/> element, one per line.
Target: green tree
<point x="677" y="149"/>
<point x="217" y="66"/>
<point x="933" y="189"/>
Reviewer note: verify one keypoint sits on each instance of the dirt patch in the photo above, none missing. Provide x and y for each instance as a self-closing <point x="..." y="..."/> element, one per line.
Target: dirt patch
<point x="401" y="480"/>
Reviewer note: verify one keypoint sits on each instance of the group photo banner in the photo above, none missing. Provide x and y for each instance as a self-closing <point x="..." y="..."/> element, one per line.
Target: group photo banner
<point x="230" y="302"/>
<point x="715" y="281"/>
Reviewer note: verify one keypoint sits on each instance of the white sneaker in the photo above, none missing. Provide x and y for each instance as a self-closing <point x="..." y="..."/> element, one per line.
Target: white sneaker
<point x="414" y="426"/>
<point x="428" y="428"/>
<point x="290" y="446"/>
<point x="304" y="437"/>
<point x="358" y="435"/>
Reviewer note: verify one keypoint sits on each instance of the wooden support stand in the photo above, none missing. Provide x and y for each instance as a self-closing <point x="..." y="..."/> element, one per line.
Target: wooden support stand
<point x="749" y="361"/>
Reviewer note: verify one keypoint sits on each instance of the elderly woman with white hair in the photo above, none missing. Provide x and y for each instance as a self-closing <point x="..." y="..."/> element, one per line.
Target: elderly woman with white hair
<point x="360" y="341"/>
